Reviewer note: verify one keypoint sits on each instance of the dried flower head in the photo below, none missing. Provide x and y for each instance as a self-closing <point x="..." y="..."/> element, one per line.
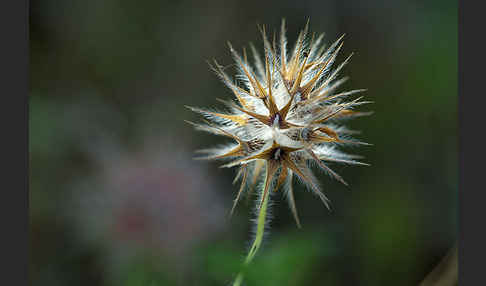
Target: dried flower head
<point x="286" y="115"/>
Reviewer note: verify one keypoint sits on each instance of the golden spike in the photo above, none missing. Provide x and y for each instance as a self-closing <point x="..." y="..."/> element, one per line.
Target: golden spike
<point x="308" y="87"/>
<point x="237" y="151"/>
<point x="331" y="47"/>
<point x="324" y="166"/>
<point x="295" y="60"/>
<point x="337" y="111"/>
<point x="281" y="178"/>
<point x="322" y="139"/>
<point x="238" y="174"/>
<point x="335" y="72"/>
<point x="291" y="165"/>
<point x="274" y="49"/>
<point x="271" y="169"/>
<point x="308" y="53"/>
<point x="236" y="138"/>
<point x="256" y="56"/>
<point x="349" y="112"/>
<point x="235" y="118"/>
<point x="245" y="57"/>
<point x="291" y="199"/>
<point x="242" y="186"/>
<point x="271" y="102"/>
<point x="315" y="53"/>
<point x="220" y="71"/>
<point x="220" y="131"/>
<point x="283" y="49"/>
<point x="297" y="52"/>
<point x="262" y="118"/>
<point x="329" y="132"/>
<point x="298" y="80"/>
<point x="240" y="120"/>
<point x="253" y="82"/>
<point x="344" y="94"/>
<point x="284" y="111"/>
<point x="329" y="88"/>
<point x="256" y="172"/>
<point x="288" y="150"/>
<point x="249" y="93"/>
<point x="324" y="54"/>
<point x="264" y="155"/>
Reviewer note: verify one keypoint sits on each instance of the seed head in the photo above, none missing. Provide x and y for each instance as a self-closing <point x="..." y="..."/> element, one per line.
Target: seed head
<point x="286" y="115"/>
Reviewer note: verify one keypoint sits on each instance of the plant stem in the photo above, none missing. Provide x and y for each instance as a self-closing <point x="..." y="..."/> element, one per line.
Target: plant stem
<point x="262" y="214"/>
<point x="445" y="273"/>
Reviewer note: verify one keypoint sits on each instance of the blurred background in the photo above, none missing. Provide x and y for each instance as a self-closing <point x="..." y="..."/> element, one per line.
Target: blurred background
<point x="116" y="199"/>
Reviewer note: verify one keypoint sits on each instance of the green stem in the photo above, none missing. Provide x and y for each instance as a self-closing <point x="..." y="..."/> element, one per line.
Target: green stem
<point x="262" y="214"/>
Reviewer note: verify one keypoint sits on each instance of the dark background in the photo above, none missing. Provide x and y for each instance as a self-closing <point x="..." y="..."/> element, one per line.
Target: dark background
<point x="116" y="199"/>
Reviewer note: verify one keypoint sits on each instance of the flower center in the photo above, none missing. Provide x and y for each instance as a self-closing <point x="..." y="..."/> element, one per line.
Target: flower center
<point x="304" y="133"/>
<point x="275" y="120"/>
<point x="277" y="154"/>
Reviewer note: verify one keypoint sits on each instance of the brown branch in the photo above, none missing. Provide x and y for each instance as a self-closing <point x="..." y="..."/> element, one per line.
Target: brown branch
<point x="445" y="273"/>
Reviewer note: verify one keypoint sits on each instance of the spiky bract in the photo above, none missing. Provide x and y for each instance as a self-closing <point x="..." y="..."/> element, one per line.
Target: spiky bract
<point x="285" y="117"/>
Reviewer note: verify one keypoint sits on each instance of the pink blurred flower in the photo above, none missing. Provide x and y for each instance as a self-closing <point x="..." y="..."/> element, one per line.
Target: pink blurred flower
<point x="154" y="199"/>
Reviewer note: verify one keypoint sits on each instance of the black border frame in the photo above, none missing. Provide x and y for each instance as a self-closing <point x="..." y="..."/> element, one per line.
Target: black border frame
<point x="15" y="84"/>
<point x="14" y="218"/>
<point x="471" y="188"/>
